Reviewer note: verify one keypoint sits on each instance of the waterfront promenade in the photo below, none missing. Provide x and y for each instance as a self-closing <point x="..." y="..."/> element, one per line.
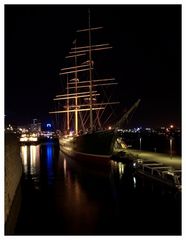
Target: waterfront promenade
<point x="174" y="161"/>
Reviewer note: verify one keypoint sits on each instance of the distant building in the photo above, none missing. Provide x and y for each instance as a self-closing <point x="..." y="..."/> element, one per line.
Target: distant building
<point x="35" y="126"/>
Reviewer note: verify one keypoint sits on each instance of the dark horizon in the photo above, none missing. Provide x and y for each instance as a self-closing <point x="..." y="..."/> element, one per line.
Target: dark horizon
<point x="146" y="58"/>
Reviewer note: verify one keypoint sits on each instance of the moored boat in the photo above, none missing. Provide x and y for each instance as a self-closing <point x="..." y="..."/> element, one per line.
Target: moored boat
<point x="159" y="172"/>
<point x="29" y="138"/>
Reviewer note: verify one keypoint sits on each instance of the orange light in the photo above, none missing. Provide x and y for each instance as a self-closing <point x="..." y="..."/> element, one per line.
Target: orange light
<point x="171" y="126"/>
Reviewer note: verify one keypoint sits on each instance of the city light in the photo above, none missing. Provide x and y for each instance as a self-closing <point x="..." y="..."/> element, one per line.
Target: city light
<point x="28" y="138"/>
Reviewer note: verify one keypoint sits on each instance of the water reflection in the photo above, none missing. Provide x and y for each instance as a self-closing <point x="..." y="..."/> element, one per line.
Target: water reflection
<point x="24" y="150"/>
<point x="118" y="168"/>
<point x="34" y="160"/>
<point x="77" y="211"/>
<point x="30" y="159"/>
<point x="49" y="160"/>
<point x="121" y="169"/>
<point x="134" y="181"/>
<point x="80" y="198"/>
<point x="65" y="167"/>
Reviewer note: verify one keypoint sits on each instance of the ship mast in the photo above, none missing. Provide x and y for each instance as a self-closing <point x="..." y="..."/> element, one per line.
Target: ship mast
<point x="90" y="73"/>
<point x="81" y="94"/>
<point x="68" y="113"/>
<point x="76" y="98"/>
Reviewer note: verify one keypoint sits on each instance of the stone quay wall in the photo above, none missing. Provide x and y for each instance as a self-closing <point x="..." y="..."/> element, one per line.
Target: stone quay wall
<point x="13" y="174"/>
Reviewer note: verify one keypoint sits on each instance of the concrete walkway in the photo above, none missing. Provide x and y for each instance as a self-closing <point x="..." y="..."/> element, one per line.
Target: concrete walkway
<point x="165" y="159"/>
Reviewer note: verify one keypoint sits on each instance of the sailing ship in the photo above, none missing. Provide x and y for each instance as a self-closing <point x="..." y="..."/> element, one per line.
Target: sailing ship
<point x="84" y="136"/>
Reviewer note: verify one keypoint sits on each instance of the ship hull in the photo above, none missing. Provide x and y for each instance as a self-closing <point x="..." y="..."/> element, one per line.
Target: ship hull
<point x="85" y="156"/>
<point x="98" y="146"/>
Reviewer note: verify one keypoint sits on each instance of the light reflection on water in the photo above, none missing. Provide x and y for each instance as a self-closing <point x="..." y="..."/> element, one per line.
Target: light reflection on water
<point x="82" y="198"/>
<point x="35" y="157"/>
<point x="134" y="180"/>
<point x="49" y="161"/>
<point x="118" y="168"/>
<point x="30" y="159"/>
<point x="34" y="160"/>
<point x="24" y="155"/>
<point x="65" y="167"/>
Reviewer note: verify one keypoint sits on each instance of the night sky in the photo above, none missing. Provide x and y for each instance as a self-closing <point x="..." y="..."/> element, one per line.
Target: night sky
<point x="145" y="60"/>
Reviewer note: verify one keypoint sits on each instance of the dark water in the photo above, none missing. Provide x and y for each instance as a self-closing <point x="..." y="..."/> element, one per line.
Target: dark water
<point x="61" y="196"/>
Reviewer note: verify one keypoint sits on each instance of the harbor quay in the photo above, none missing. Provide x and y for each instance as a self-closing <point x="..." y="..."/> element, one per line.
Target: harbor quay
<point x="13" y="176"/>
<point x="168" y="160"/>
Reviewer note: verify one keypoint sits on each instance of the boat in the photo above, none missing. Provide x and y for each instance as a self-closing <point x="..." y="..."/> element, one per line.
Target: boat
<point x="83" y="136"/>
<point x="29" y="138"/>
<point x="33" y="138"/>
<point x="159" y="172"/>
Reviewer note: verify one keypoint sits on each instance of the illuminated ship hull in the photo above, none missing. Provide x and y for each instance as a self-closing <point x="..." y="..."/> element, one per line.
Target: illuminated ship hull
<point x="99" y="146"/>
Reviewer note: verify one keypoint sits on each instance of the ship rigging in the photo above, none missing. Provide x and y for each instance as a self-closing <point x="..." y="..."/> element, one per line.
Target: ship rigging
<point x="81" y="95"/>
